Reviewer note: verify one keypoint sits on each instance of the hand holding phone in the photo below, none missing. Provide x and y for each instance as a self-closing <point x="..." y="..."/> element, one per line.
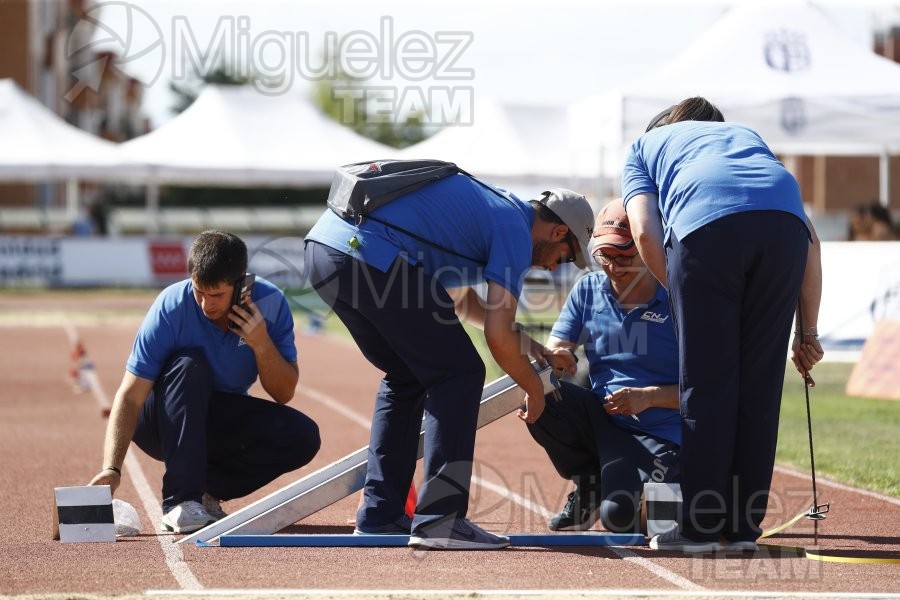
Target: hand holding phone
<point x="243" y="286"/>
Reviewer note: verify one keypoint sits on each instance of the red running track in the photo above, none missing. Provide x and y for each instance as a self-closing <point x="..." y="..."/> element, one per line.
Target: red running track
<point x="51" y="436"/>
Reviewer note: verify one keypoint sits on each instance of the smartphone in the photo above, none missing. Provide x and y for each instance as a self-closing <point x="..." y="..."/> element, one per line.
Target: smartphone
<point x="243" y="286"/>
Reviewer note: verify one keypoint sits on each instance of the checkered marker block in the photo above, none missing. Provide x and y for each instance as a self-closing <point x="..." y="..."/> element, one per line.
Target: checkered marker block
<point x="661" y="507"/>
<point x="85" y="514"/>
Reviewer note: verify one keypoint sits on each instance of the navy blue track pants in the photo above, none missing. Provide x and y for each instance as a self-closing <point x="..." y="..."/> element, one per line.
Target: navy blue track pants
<point x="228" y="445"/>
<point x="733" y="287"/>
<point x="404" y="323"/>
<point x="613" y="464"/>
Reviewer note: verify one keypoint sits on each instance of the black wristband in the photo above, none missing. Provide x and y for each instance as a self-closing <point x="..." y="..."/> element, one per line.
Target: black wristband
<point x="112" y="468"/>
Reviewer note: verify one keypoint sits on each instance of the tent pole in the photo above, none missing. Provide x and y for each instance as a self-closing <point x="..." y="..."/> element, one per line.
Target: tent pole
<point x="152" y="224"/>
<point x="71" y="200"/>
<point x="884" y="178"/>
<point x="601" y="179"/>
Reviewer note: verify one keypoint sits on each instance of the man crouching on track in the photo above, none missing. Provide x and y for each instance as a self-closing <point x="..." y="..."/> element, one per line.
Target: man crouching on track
<point x="183" y="399"/>
<point x="625" y="430"/>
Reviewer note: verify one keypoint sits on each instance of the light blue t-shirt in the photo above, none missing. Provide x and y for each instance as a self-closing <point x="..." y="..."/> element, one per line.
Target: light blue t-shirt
<point x="703" y="171"/>
<point x="633" y="348"/>
<point x="176" y="322"/>
<point x="457" y="213"/>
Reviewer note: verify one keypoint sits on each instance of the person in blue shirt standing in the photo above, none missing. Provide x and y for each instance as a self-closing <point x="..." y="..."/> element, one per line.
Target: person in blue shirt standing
<point x="403" y="297"/>
<point x="720" y="221"/>
<point x="624" y="431"/>
<point x="184" y="400"/>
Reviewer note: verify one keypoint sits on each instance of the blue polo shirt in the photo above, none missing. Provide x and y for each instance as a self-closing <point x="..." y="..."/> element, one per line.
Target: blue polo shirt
<point x="176" y="322"/>
<point x="457" y="213"/>
<point x="704" y="171"/>
<point x="633" y="348"/>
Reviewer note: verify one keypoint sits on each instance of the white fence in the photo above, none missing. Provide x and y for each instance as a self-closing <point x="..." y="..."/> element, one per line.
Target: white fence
<point x="861" y="279"/>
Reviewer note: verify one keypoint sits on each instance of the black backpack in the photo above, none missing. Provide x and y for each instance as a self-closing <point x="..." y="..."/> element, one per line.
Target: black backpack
<point x="359" y="188"/>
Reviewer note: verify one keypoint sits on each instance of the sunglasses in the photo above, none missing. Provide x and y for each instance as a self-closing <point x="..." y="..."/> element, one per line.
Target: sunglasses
<point x="570" y="255"/>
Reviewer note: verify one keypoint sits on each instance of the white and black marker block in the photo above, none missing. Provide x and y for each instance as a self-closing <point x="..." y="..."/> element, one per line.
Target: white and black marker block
<point x="661" y="508"/>
<point x="85" y="514"/>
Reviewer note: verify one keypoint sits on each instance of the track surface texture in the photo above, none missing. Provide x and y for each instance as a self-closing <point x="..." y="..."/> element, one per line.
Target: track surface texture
<point x="51" y="436"/>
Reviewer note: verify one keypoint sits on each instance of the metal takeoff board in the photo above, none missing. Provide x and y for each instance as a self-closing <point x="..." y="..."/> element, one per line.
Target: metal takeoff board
<point x="343" y="477"/>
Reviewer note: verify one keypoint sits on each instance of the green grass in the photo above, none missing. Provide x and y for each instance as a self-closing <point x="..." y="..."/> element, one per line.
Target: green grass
<point x="855" y="439"/>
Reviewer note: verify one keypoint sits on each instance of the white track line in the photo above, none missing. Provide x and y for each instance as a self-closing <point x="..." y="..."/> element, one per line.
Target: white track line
<point x="622" y="552"/>
<point x="174" y="557"/>
<point x="838" y="486"/>
<point x="88" y="372"/>
<point x="336" y="406"/>
<point x="554" y="593"/>
<point x="172" y="551"/>
<point x="505" y="492"/>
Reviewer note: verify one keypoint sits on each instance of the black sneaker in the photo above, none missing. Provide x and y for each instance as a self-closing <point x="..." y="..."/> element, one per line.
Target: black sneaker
<point x="579" y="514"/>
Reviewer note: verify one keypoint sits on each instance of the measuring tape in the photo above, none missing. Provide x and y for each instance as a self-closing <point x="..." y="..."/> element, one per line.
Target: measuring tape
<point x="823" y="555"/>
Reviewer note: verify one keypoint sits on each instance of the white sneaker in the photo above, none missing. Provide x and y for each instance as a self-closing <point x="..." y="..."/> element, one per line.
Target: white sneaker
<point x="213" y="506"/>
<point x="186" y="517"/>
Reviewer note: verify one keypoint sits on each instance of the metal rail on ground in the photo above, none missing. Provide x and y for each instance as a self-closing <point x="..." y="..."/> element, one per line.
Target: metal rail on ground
<point x="343" y="477"/>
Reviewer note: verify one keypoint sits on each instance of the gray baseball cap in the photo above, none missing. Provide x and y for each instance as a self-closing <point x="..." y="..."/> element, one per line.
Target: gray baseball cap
<point x="573" y="209"/>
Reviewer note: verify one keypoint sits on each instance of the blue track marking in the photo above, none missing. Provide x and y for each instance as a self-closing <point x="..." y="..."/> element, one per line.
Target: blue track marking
<point x="349" y="540"/>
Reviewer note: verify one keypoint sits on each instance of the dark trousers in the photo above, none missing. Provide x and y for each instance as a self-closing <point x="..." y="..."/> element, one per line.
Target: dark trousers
<point x="225" y="444"/>
<point x="404" y="323"/>
<point x="602" y="459"/>
<point x="733" y="287"/>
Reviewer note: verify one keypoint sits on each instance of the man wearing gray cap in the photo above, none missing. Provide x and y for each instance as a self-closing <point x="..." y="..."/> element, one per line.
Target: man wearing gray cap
<point x="401" y="283"/>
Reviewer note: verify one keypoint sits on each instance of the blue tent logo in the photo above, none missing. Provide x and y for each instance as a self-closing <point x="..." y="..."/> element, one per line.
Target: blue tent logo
<point x="786" y="51"/>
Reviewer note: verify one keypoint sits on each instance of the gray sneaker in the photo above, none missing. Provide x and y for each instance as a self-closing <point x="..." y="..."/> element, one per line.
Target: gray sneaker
<point x="673" y="541"/>
<point x="186" y="517"/>
<point x="457" y="534"/>
<point x="213" y="506"/>
<point x="399" y="527"/>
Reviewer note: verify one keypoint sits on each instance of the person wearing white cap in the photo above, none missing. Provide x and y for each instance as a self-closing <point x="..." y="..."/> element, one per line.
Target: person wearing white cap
<point x="401" y="280"/>
<point x="623" y="431"/>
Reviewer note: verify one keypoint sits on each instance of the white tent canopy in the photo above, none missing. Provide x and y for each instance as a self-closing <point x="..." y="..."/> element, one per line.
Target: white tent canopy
<point x="785" y="71"/>
<point x="516" y="146"/>
<point x="36" y="145"/>
<point x="235" y="135"/>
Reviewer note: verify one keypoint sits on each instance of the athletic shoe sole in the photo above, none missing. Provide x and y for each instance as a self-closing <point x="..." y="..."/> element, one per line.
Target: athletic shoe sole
<point x="686" y="546"/>
<point x="421" y="543"/>
<point x="361" y="532"/>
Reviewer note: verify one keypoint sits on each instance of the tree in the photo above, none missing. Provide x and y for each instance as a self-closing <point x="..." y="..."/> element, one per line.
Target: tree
<point x="348" y="99"/>
<point x="188" y="91"/>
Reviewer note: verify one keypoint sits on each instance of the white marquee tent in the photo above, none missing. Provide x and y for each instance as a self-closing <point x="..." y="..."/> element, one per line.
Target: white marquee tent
<point x="36" y="145"/>
<point x="520" y="147"/>
<point x="237" y="136"/>
<point x="785" y="71"/>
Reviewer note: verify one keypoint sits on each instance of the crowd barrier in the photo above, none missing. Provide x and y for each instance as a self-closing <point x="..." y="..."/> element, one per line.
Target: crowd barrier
<point x="861" y="280"/>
